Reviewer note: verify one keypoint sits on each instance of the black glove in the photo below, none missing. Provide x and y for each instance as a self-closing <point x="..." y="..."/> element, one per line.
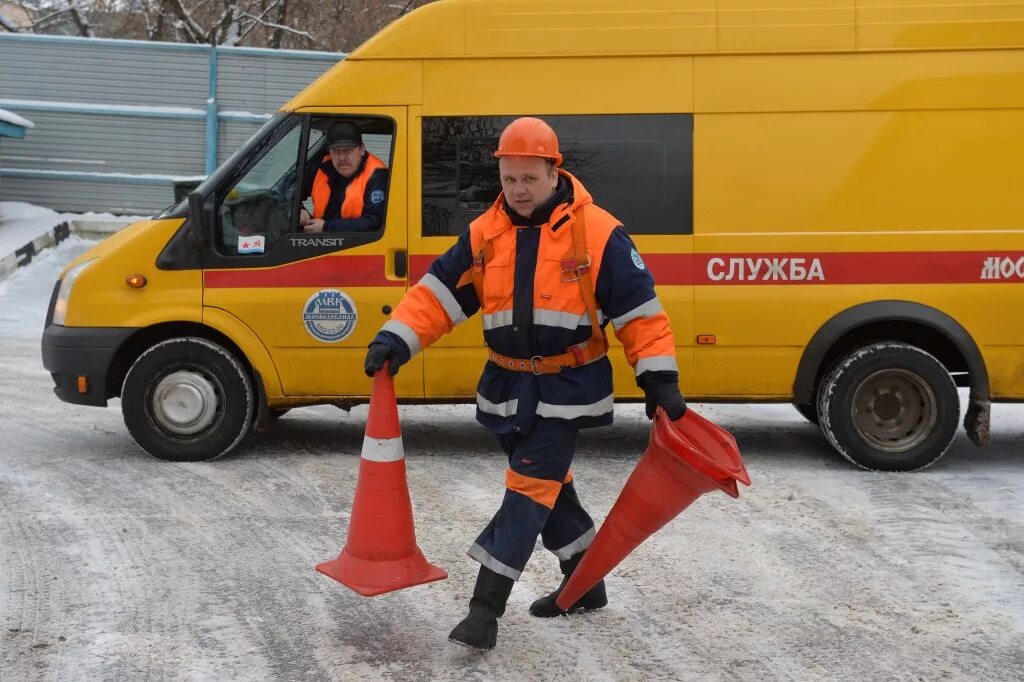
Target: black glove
<point x="667" y="395"/>
<point x="378" y="354"/>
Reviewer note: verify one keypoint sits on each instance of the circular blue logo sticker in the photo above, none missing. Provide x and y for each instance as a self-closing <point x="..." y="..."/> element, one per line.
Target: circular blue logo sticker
<point x="330" y="315"/>
<point x="376" y="196"/>
<point x="637" y="260"/>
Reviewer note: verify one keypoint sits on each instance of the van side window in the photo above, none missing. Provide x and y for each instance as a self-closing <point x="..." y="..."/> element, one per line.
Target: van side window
<point x="639" y="167"/>
<point x="256" y="210"/>
<point x="343" y="191"/>
<point x="346" y="179"/>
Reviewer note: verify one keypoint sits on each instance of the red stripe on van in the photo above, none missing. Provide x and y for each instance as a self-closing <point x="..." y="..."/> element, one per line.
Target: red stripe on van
<point x="334" y="271"/>
<point x="418" y="266"/>
<point x="919" y="267"/>
<point x="883" y="267"/>
<point x="670" y="268"/>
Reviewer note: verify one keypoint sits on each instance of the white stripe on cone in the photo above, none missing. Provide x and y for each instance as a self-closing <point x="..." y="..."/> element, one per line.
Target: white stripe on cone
<point x="383" y="449"/>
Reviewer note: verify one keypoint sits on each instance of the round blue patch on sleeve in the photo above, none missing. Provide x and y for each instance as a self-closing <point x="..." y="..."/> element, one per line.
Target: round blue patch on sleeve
<point x="637" y="260"/>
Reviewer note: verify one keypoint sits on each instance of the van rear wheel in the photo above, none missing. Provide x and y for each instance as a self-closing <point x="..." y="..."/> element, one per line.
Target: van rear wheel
<point x="889" y="407"/>
<point x="187" y="400"/>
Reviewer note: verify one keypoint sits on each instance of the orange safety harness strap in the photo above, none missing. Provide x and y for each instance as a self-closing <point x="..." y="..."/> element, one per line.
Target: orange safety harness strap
<point x="576" y="267"/>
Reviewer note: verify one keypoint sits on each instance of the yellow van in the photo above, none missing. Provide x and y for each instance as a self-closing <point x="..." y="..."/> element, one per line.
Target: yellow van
<point x="830" y="196"/>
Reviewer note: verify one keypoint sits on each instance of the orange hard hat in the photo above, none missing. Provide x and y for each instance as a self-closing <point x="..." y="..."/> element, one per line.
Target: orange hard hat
<point x="529" y="136"/>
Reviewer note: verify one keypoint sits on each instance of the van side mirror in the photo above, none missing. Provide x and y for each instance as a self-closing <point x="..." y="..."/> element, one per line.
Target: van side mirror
<point x="197" y="219"/>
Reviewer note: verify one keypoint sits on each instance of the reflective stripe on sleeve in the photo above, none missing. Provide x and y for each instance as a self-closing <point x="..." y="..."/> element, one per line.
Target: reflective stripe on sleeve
<point x="383" y="449"/>
<point x="657" y="363"/>
<point x="405" y="332"/>
<point x="573" y="411"/>
<point x="576" y="546"/>
<point x="502" y="318"/>
<point x="445" y="297"/>
<point x="652" y="307"/>
<point x="480" y="554"/>
<point x="505" y="409"/>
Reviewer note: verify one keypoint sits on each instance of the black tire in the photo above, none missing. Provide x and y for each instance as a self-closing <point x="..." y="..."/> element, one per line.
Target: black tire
<point x="889" y="407"/>
<point x="808" y="412"/>
<point x="187" y="400"/>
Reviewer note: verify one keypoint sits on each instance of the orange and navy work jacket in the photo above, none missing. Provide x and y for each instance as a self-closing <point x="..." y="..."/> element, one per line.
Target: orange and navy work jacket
<point x="528" y="310"/>
<point x="353" y="204"/>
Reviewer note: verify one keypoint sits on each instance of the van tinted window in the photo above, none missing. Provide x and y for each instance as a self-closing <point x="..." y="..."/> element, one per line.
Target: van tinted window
<point x="638" y="167"/>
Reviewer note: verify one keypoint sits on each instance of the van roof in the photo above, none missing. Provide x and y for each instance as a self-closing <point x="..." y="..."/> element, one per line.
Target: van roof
<point x="544" y="28"/>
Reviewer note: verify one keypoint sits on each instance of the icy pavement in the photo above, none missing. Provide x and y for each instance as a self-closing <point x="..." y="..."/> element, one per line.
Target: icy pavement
<point x="114" y="565"/>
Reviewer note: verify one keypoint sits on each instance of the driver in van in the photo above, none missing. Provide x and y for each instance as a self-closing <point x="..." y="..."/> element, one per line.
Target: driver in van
<point x="350" y="187"/>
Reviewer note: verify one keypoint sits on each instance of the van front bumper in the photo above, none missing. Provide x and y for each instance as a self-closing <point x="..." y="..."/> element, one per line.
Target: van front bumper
<point x="72" y="352"/>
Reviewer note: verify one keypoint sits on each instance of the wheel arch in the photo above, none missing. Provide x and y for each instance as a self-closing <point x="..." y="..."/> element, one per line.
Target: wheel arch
<point x="923" y="326"/>
<point x="258" y="364"/>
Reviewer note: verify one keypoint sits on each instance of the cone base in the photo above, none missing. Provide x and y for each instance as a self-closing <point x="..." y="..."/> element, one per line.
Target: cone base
<point x="370" y="578"/>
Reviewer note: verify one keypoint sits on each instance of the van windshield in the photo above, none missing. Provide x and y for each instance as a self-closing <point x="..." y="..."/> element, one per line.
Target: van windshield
<point x="253" y="145"/>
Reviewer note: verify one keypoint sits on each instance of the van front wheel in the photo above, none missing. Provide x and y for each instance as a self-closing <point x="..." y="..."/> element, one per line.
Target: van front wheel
<point x="187" y="400"/>
<point x="889" y="407"/>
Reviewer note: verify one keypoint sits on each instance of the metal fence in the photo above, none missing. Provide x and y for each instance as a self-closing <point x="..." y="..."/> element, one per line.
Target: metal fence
<point x="117" y="121"/>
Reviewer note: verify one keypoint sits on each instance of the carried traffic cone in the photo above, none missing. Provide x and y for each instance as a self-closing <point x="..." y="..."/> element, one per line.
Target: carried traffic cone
<point x="381" y="554"/>
<point x="684" y="459"/>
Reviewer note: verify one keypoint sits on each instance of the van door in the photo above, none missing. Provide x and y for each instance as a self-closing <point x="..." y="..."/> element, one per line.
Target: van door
<point x="315" y="299"/>
<point x="637" y="166"/>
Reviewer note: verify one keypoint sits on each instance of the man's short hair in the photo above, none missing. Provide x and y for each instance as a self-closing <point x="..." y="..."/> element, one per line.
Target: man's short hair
<point x="344" y="135"/>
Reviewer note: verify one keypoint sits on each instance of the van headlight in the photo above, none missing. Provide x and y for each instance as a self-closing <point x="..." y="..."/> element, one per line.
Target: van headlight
<point x="60" y="309"/>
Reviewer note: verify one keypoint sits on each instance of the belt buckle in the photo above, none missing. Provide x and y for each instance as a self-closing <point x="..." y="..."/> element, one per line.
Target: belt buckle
<point x="533" y="364"/>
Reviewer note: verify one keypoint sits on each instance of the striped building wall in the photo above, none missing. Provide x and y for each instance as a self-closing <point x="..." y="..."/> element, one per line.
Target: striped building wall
<point x="116" y="121"/>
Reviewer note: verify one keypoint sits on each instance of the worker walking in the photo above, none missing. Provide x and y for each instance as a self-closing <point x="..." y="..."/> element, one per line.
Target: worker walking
<point x="547" y="269"/>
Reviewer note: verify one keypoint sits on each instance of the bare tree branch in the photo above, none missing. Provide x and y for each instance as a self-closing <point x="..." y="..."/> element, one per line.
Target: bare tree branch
<point x="187" y="24"/>
<point x="279" y="27"/>
<point x="255" y="21"/>
<point x="225" y="29"/>
<point x="84" y="27"/>
<point x="309" y="24"/>
<point x="282" y="16"/>
<point x="7" y="24"/>
<point x="51" y="18"/>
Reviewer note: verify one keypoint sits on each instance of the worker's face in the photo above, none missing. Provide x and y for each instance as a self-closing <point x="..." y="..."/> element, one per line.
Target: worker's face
<point x="346" y="161"/>
<point x="528" y="181"/>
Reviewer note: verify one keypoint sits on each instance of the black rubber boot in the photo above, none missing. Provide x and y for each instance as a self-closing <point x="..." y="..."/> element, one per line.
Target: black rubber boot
<point x="479" y="630"/>
<point x="596" y="598"/>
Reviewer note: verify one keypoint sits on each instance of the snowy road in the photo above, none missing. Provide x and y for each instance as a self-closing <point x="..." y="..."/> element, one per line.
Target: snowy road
<point x="114" y="565"/>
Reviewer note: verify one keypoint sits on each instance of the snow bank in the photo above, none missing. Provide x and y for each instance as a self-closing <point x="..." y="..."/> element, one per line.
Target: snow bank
<point x="20" y="223"/>
<point x="11" y="117"/>
<point x="25" y="295"/>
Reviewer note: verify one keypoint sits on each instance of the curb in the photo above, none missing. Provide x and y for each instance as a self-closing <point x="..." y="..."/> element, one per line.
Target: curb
<point x="83" y="228"/>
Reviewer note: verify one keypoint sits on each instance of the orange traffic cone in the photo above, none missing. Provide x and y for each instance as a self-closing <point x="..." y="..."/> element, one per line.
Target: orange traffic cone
<point x="381" y="554"/>
<point x="684" y="460"/>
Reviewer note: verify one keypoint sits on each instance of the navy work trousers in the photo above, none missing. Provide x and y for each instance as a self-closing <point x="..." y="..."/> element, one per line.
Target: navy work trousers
<point x="540" y="499"/>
